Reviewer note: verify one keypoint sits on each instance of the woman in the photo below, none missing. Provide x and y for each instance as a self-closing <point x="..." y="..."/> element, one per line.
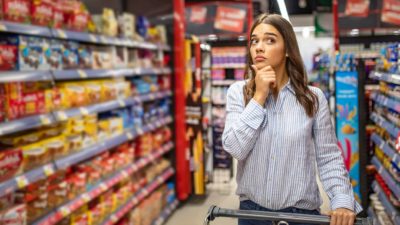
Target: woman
<point x="279" y="130"/>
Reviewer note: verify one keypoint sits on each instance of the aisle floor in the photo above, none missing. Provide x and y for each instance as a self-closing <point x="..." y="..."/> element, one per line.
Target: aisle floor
<point x="195" y="210"/>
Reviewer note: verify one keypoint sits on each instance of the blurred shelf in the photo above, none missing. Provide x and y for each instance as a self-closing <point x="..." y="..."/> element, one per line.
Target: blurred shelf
<point x="385" y="101"/>
<point x="66" y="209"/>
<point x="392" y="129"/>
<point x="389" y="208"/>
<point x="26" y="123"/>
<point x="392" y="184"/>
<point x="386" y="148"/>
<point x="28" y="29"/>
<point x="229" y="66"/>
<point x="373" y="216"/>
<point x="223" y="82"/>
<point x="85" y="74"/>
<point x="34" y="175"/>
<point x="24" y="76"/>
<point x="139" y="196"/>
<point x="387" y="77"/>
<point x="219" y="103"/>
<point x="166" y="213"/>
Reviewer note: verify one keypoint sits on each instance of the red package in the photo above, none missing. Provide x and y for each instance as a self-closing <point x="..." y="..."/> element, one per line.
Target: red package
<point x="14" y="216"/>
<point x="42" y="12"/>
<point x="10" y="163"/>
<point x="8" y="57"/>
<point x="78" y="21"/>
<point x="16" y="10"/>
<point x="2" y="103"/>
<point x="58" y="15"/>
<point x="34" y="103"/>
<point x="13" y="102"/>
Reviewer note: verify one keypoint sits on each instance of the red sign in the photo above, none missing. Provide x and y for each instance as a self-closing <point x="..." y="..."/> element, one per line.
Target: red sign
<point x="391" y="11"/>
<point x="230" y="19"/>
<point x="198" y="14"/>
<point x="358" y="8"/>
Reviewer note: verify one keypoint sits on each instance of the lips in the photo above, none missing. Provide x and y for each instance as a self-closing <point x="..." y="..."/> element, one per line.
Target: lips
<point x="260" y="59"/>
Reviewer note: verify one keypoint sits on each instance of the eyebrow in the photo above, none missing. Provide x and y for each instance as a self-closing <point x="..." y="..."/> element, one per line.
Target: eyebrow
<point x="266" y="33"/>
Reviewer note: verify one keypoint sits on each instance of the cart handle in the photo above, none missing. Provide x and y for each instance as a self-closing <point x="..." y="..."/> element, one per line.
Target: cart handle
<point x="279" y="218"/>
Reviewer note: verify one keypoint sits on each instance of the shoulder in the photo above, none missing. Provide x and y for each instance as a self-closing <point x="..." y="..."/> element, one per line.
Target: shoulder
<point x="318" y="92"/>
<point x="237" y="88"/>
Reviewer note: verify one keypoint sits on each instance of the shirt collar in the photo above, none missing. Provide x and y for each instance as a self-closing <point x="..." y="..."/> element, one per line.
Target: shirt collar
<point x="289" y="86"/>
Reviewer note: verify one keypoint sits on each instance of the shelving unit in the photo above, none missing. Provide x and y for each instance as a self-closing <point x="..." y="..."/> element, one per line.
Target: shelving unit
<point x="389" y="208"/>
<point x="166" y="213"/>
<point x="387" y="77"/>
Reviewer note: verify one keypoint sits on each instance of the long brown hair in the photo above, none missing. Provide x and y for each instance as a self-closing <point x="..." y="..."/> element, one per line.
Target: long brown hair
<point x="294" y="65"/>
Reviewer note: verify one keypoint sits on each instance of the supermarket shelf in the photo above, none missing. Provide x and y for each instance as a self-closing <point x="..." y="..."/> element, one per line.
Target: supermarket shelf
<point x="392" y="184"/>
<point x="388" y="77"/>
<point x="108" y="144"/>
<point x="219" y="103"/>
<point x="23" y="76"/>
<point x="385" y="101"/>
<point x="373" y="216"/>
<point x="29" y="29"/>
<point x="389" y="208"/>
<point x="386" y="148"/>
<point x="389" y="127"/>
<point x="142" y="194"/>
<point x="85" y="74"/>
<point x="44" y="171"/>
<point x="110" y="105"/>
<point x="26" y="123"/>
<point x="66" y="209"/>
<point x="166" y="213"/>
<point x="223" y="82"/>
<point x="230" y="66"/>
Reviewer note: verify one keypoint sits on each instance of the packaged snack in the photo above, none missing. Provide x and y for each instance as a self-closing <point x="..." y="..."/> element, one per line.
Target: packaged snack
<point x="10" y="163"/>
<point x="120" y="57"/>
<point x="109" y="22"/>
<point x="116" y="126"/>
<point x="93" y="91"/>
<point x="8" y="57"/>
<point x="90" y="130"/>
<point x="57" y="189"/>
<point x="77" y="183"/>
<point x="54" y="54"/>
<point x="2" y="103"/>
<point x="75" y="125"/>
<point x="123" y="89"/>
<point x="95" y="212"/>
<point x="102" y="59"/>
<point x="14" y="100"/>
<point x="103" y="129"/>
<point x="34" y="103"/>
<point x="17" y="10"/>
<point x="85" y="58"/>
<point x="73" y="94"/>
<point x="126" y="23"/>
<point x="52" y="99"/>
<point x="31" y="54"/>
<point x="58" y="15"/>
<point x="70" y="58"/>
<point x="56" y="146"/>
<point x="109" y="90"/>
<point x="74" y="142"/>
<point x="15" y="215"/>
<point x="34" y="155"/>
<point x="42" y="12"/>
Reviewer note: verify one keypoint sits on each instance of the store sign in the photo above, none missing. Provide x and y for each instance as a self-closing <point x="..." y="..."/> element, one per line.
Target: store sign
<point x="230" y="19"/>
<point x="347" y="124"/>
<point x="198" y="14"/>
<point x="357" y="8"/>
<point x="391" y="12"/>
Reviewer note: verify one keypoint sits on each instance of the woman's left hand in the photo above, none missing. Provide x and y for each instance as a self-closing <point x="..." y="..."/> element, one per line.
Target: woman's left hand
<point x="342" y="216"/>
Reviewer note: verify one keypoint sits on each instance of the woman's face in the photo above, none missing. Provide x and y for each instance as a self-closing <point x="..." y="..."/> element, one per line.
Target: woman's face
<point x="267" y="47"/>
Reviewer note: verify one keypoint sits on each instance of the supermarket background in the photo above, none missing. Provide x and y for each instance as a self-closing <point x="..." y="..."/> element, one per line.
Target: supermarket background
<point x="111" y="112"/>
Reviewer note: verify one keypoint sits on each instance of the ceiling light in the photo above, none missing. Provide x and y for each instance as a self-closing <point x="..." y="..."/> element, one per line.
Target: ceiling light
<point x="282" y="8"/>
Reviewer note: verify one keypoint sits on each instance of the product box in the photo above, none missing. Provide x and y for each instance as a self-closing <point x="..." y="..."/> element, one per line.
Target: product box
<point x="16" y="10"/>
<point x="54" y="54"/>
<point x="10" y="163"/>
<point x="31" y="54"/>
<point x="16" y="215"/>
<point x="102" y="59"/>
<point x="126" y="23"/>
<point x="34" y="103"/>
<point x="73" y="95"/>
<point x="13" y="101"/>
<point x="78" y="21"/>
<point x="42" y="12"/>
<point x="34" y="155"/>
<point x="109" y="22"/>
<point x="8" y="57"/>
<point x="70" y="58"/>
<point x="58" y="15"/>
<point x="52" y="99"/>
<point x="85" y="58"/>
<point x="2" y="103"/>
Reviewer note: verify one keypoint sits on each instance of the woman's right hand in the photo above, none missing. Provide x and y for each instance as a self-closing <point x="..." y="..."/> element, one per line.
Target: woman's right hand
<point x="265" y="80"/>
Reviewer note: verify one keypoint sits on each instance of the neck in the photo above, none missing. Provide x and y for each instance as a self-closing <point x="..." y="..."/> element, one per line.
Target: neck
<point x="281" y="78"/>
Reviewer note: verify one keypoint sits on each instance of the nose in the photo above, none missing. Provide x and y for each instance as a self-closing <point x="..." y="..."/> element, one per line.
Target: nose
<point x="260" y="47"/>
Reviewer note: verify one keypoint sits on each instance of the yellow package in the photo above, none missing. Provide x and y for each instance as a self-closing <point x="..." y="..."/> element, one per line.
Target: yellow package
<point x="93" y="91"/>
<point x="123" y="89"/>
<point x="116" y="126"/>
<point x="75" y="125"/>
<point x="74" y="142"/>
<point x="56" y="146"/>
<point x="109" y="90"/>
<point x="73" y="94"/>
<point x="21" y="139"/>
<point x="34" y="155"/>
<point x="103" y="129"/>
<point x="81" y="216"/>
<point x="90" y="130"/>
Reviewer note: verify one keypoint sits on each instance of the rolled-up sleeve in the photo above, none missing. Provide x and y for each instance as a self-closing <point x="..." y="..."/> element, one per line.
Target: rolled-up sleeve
<point x="242" y="123"/>
<point x="333" y="173"/>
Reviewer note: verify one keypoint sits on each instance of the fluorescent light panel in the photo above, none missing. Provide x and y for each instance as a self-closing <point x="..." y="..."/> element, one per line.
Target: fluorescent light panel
<point x="282" y="8"/>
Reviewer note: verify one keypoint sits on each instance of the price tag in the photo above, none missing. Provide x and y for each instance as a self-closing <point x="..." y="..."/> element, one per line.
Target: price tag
<point x="84" y="111"/>
<point x="103" y="40"/>
<point x="121" y="103"/>
<point x="129" y="135"/>
<point x="48" y="170"/>
<point x="160" y="180"/>
<point x="22" y="181"/>
<point x="92" y="38"/>
<point x="3" y="27"/>
<point x="62" y="34"/>
<point x="103" y="187"/>
<point x="62" y="115"/>
<point x="114" y="218"/>
<point x="45" y="120"/>
<point x="82" y="74"/>
<point x="65" y="211"/>
<point x="86" y="198"/>
<point x="124" y="174"/>
<point x="135" y="201"/>
<point x="145" y="192"/>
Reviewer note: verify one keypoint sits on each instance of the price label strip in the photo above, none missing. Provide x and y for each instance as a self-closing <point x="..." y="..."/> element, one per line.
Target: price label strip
<point x="84" y="111"/>
<point x="92" y="38"/>
<point x="22" y="181"/>
<point x="121" y="103"/>
<point x="86" y="198"/>
<point x="82" y="74"/>
<point x="62" y="34"/>
<point x="65" y="211"/>
<point x="62" y="116"/>
<point x="48" y="170"/>
<point x="129" y="135"/>
<point x="3" y="27"/>
<point x="45" y="120"/>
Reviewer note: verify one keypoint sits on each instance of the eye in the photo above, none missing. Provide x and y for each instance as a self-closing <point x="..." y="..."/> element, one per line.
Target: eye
<point x="253" y="41"/>
<point x="270" y="40"/>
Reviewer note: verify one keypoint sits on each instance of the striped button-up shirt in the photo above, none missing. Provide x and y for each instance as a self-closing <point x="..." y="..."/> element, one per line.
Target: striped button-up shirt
<point x="278" y="148"/>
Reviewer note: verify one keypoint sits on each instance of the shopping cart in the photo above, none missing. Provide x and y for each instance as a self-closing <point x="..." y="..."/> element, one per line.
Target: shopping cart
<point x="276" y="217"/>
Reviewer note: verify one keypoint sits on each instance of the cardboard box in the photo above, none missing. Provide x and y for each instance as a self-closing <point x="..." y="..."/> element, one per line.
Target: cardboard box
<point x="16" y="10"/>
<point x="42" y="12"/>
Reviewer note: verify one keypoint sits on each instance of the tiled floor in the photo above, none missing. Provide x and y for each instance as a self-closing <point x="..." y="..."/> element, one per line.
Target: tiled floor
<point x="193" y="212"/>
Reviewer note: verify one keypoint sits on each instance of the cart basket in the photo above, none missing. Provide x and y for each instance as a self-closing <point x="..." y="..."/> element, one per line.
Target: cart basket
<point x="276" y="217"/>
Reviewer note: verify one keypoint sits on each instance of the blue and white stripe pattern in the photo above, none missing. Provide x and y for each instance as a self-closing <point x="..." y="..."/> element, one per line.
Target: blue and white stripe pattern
<point x="279" y="148"/>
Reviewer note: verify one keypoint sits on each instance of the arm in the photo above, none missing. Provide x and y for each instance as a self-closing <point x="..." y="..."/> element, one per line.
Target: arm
<point x="242" y="123"/>
<point x="333" y="173"/>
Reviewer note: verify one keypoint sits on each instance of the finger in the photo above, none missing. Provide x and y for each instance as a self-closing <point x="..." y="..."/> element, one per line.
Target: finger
<point x="267" y="68"/>
<point x="254" y="68"/>
<point x="333" y="218"/>
<point x="339" y="219"/>
<point x="351" y="220"/>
